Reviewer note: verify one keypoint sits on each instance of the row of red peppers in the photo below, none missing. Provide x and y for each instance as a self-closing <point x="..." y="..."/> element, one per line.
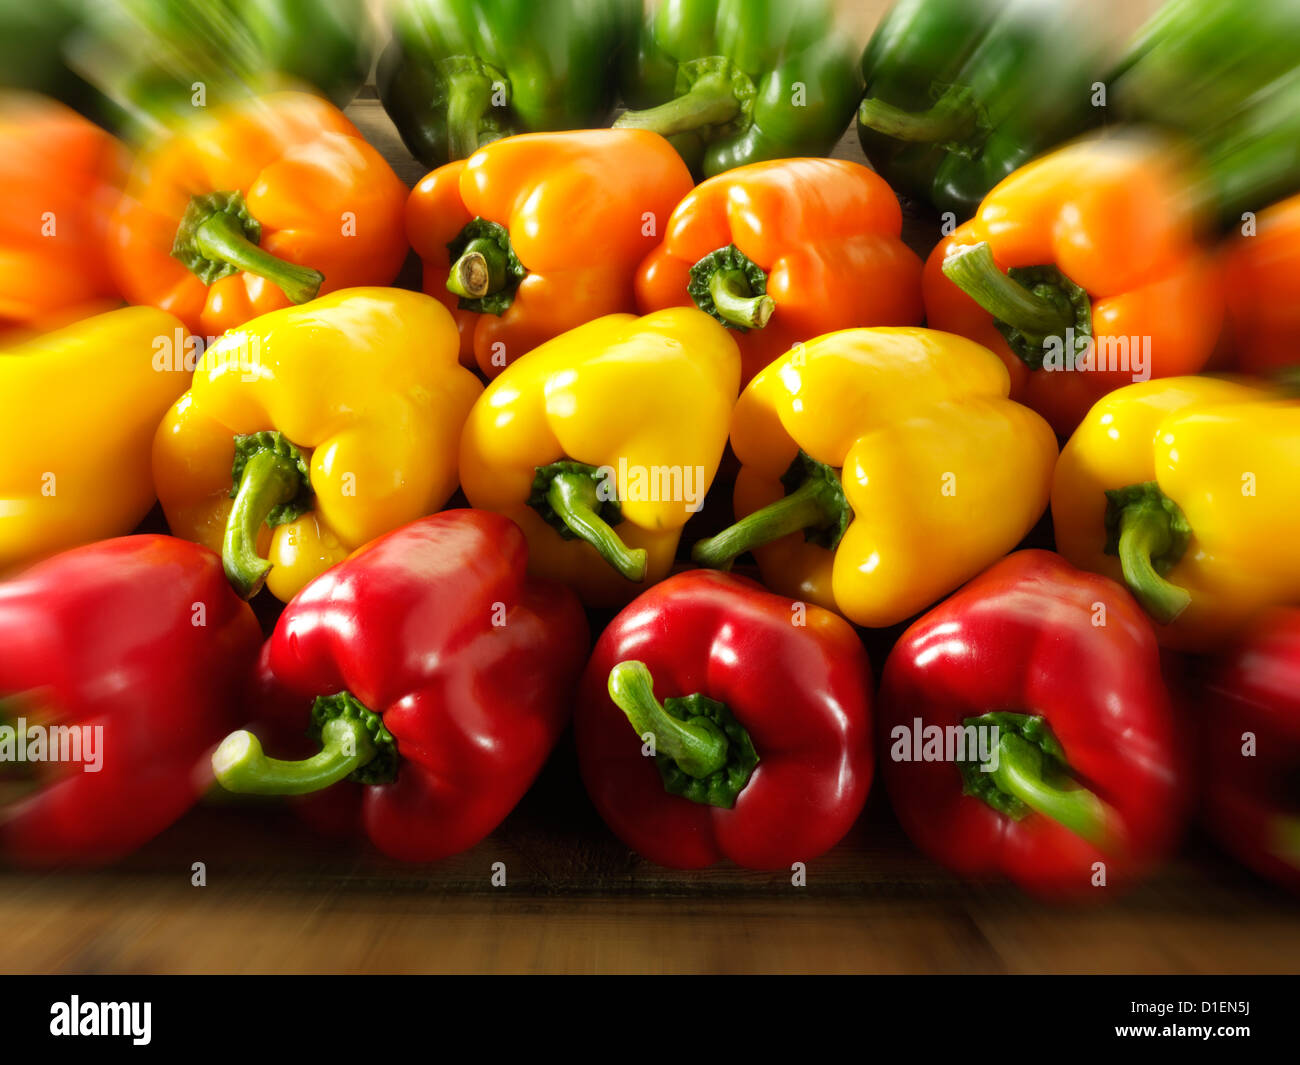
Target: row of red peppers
<point x="1023" y="725"/>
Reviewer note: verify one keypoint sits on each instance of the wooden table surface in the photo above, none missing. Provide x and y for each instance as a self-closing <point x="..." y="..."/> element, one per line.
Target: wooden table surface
<point x="280" y="899"/>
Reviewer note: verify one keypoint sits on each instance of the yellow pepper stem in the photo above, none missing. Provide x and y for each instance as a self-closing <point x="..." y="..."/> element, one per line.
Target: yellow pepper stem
<point x="271" y="486"/>
<point x="1149" y="533"/>
<point x="572" y="501"/>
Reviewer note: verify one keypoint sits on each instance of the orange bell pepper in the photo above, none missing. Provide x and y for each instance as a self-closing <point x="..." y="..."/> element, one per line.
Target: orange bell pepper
<point x="1263" y="279"/>
<point x="61" y="176"/>
<point x="781" y="252"/>
<point x="258" y="206"/>
<point x="1083" y="272"/>
<point x="546" y="230"/>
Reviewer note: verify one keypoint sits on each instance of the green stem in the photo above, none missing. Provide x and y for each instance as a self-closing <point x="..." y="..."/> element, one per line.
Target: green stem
<point x="480" y="270"/>
<point x="469" y="95"/>
<point x="573" y="498"/>
<point x="1023" y="771"/>
<point x="943" y="122"/>
<point x="735" y="302"/>
<point x="240" y="764"/>
<point x="711" y="102"/>
<point x="220" y="238"/>
<point x="1145" y="534"/>
<point x="808" y="506"/>
<point x="698" y="747"/>
<point x="269" y="480"/>
<point x="972" y="269"/>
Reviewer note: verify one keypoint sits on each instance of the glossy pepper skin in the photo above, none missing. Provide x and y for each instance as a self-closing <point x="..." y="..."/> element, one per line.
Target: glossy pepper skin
<point x="1087" y="257"/>
<point x="1185" y="490"/>
<point x="78" y="410"/>
<point x="313" y="430"/>
<point x="61" y="177"/>
<point x="529" y="237"/>
<point x="1090" y="768"/>
<point x="731" y="82"/>
<point x="253" y="208"/>
<point x="763" y="749"/>
<point x="781" y="252"/>
<point x="1250" y="753"/>
<point x="881" y="468"/>
<point x="431" y="670"/>
<point x="960" y="93"/>
<point x="140" y="637"/>
<point x="1262" y="272"/>
<point x="602" y="443"/>
<point x="460" y="74"/>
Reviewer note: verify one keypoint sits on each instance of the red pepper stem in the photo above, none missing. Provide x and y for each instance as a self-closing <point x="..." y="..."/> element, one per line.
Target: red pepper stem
<point x="1023" y="772"/>
<point x="699" y="747"/>
<point x="972" y="269"/>
<point x="573" y="498"/>
<point x="943" y="122"/>
<point x="269" y="480"/>
<point x="241" y="766"/>
<point x="220" y="238"/>
<point x="1144" y="533"/>
<point x="711" y="102"/>
<point x="805" y="507"/>
<point x="480" y="270"/>
<point x="734" y="300"/>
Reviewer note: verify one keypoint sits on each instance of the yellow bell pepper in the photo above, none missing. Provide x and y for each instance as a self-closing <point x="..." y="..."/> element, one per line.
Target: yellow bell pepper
<point x="329" y="424"/>
<point x="620" y="422"/>
<point x="78" y="408"/>
<point x="1187" y="489"/>
<point x="882" y="468"/>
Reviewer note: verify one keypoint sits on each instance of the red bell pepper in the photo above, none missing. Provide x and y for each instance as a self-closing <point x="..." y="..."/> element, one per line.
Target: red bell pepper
<point x="1251" y="750"/>
<point x="137" y="650"/>
<point x="1083" y="778"/>
<point x="428" y="668"/>
<point x="762" y="745"/>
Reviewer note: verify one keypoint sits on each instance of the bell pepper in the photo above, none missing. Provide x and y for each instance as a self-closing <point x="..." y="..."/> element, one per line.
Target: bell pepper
<point x="1185" y="490"/>
<point x="731" y="82"/>
<point x="1262" y="272"/>
<point x="717" y="720"/>
<point x="881" y="468"/>
<point x="1251" y="749"/>
<point x="61" y="177"/>
<point x="1082" y="271"/>
<point x="602" y="443"/>
<point x="960" y="93"/>
<point x="460" y="74"/>
<point x="313" y="430"/>
<point x="131" y="656"/>
<point x="256" y="207"/>
<point x="509" y="254"/>
<point x="1224" y="74"/>
<point x="78" y="410"/>
<point x="785" y="251"/>
<point x="1023" y="737"/>
<point x="428" y="669"/>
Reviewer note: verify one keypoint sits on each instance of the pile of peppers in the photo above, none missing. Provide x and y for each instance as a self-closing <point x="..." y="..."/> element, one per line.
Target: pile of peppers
<point x="641" y="426"/>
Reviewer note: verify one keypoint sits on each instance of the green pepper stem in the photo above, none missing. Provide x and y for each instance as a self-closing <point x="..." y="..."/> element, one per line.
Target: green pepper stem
<point x="241" y="766"/>
<point x="805" y="507"/>
<point x="943" y="122"/>
<point x="468" y="97"/>
<point x="573" y="498"/>
<point x="972" y="269"/>
<point x="734" y="300"/>
<point x="269" y="480"/>
<point x="1023" y="772"/>
<point x="710" y="102"/>
<point x="698" y="747"/>
<point x="480" y="270"/>
<point x="1144" y="533"/>
<point x="220" y="238"/>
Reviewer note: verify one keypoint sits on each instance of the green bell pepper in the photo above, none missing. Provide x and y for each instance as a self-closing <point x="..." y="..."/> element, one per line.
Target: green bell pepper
<point x="460" y="73"/>
<point x="731" y="82"/>
<point x="1226" y="74"/>
<point x="959" y="93"/>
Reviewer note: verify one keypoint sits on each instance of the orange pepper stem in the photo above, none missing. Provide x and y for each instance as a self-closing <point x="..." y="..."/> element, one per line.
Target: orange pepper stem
<point x="220" y="238"/>
<point x="712" y="101"/>
<point x="479" y="271"/>
<point x="972" y="269"/>
<point x="953" y="117"/>
<point x="735" y="302"/>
